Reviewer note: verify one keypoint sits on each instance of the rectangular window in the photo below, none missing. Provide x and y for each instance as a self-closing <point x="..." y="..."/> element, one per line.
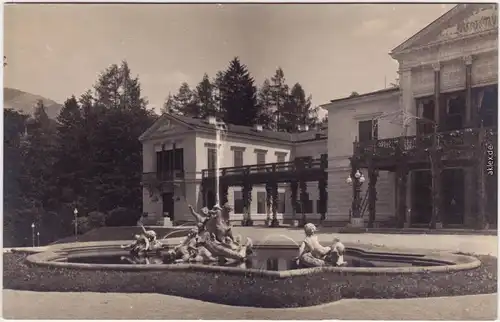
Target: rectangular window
<point x="306" y="206"/>
<point x="368" y="130"/>
<point x="238" y="158"/>
<point x="261" y="157"/>
<point x="238" y="202"/>
<point x="320" y="208"/>
<point x="261" y="202"/>
<point x="280" y="157"/>
<point x="281" y="203"/>
<point x="211" y="158"/>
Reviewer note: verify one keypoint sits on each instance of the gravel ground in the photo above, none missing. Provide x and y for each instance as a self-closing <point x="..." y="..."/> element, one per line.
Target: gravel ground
<point x="153" y="306"/>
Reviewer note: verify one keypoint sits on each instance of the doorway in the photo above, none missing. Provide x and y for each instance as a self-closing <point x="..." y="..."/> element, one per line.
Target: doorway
<point x="168" y="205"/>
<point x="421" y="197"/>
<point x="453" y="193"/>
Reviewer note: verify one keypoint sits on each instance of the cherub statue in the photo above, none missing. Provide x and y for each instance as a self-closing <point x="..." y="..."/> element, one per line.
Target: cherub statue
<point x="312" y="253"/>
<point x="154" y="243"/>
<point x="140" y="245"/>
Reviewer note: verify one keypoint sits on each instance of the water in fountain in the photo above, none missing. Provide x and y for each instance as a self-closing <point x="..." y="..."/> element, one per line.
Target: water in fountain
<point x="267" y="238"/>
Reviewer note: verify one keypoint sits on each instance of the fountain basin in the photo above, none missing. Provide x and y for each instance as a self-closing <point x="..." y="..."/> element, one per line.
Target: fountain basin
<point x="271" y="259"/>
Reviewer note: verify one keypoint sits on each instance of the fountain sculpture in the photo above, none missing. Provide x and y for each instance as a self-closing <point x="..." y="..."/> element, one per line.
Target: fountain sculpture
<point x="144" y="243"/>
<point x="313" y="254"/>
<point x="212" y="239"/>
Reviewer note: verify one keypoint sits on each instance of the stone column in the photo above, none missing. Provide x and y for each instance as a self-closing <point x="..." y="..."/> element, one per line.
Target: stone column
<point x="323" y="196"/>
<point x="469" y="119"/>
<point x="407" y="101"/>
<point x="268" y="202"/>
<point x="437" y="93"/>
<point x="303" y="199"/>
<point x="274" y="193"/>
<point x="372" y="194"/>
<point x="293" y="197"/>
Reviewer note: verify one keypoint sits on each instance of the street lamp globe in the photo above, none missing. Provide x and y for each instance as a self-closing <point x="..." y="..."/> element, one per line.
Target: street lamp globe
<point x="32" y="225"/>
<point x="75" y="211"/>
<point x="348" y="180"/>
<point x="362" y="179"/>
<point x="357" y="174"/>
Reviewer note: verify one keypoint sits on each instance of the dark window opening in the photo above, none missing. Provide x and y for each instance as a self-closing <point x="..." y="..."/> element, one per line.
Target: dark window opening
<point x="488" y="106"/>
<point x="168" y="161"/>
<point x="281" y="203"/>
<point x="238" y="202"/>
<point x="368" y="130"/>
<point x="425" y="122"/>
<point x="238" y="158"/>
<point x="212" y="158"/>
<point x="261" y="202"/>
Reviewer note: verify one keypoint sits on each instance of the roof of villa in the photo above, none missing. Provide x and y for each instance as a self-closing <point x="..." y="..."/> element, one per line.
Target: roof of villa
<point x="377" y="92"/>
<point x="202" y="124"/>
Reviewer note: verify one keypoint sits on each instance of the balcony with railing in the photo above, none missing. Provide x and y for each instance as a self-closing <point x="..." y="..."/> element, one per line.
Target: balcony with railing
<point x="465" y="139"/>
<point x="280" y="170"/>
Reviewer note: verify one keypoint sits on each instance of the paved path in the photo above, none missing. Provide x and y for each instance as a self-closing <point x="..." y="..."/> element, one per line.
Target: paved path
<point x="31" y="305"/>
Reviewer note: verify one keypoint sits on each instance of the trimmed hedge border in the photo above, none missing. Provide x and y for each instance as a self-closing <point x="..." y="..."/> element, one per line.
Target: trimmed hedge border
<point x="251" y="289"/>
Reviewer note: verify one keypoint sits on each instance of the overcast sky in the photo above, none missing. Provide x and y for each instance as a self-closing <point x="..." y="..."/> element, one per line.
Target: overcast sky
<point x="331" y="49"/>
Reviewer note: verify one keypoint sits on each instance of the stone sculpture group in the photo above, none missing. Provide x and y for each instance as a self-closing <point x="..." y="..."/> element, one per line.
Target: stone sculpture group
<point x="212" y="240"/>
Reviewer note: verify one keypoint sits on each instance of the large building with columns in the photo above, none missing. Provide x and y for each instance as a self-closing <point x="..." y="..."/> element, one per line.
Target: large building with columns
<point x="448" y="76"/>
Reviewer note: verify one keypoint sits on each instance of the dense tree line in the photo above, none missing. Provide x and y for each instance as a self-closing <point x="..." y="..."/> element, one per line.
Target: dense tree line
<point x="89" y="158"/>
<point x="233" y="97"/>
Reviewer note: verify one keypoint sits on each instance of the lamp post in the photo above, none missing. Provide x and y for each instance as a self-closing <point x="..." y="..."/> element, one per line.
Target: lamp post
<point x="356" y="180"/>
<point x="33" y="234"/>
<point x="38" y="238"/>
<point x="76" y="222"/>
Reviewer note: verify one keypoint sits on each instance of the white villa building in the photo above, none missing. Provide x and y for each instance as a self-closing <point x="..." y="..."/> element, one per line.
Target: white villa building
<point x="448" y="73"/>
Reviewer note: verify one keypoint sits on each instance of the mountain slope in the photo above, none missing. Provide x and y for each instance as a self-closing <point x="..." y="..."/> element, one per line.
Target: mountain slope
<point x="26" y="102"/>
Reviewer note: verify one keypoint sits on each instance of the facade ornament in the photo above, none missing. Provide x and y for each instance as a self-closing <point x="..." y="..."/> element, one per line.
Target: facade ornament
<point x="436" y="66"/>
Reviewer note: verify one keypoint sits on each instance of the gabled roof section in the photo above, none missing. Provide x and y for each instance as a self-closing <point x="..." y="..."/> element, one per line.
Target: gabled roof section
<point x="202" y="124"/>
<point x="461" y="21"/>
<point x="374" y="93"/>
<point x="165" y="122"/>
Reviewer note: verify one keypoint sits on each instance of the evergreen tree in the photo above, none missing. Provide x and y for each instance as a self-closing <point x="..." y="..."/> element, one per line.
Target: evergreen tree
<point x="205" y="98"/>
<point x="185" y="100"/>
<point x="298" y="111"/>
<point x="170" y="106"/>
<point x="70" y="161"/>
<point x="238" y="95"/>
<point x="280" y="94"/>
<point x="265" y="101"/>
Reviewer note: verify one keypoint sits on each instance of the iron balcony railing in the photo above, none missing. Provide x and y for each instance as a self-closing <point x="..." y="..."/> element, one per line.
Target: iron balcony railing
<point x="291" y="166"/>
<point x="465" y="138"/>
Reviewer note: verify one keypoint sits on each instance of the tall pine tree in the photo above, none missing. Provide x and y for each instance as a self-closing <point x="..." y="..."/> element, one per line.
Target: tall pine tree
<point x="266" y="107"/>
<point x="280" y="95"/>
<point x="298" y="111"/>
<point x="238" y="95"/>
<point x="205" y="98"/>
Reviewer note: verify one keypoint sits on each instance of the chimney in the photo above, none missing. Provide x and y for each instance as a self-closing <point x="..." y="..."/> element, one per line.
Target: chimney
<point x="257" y="127"/>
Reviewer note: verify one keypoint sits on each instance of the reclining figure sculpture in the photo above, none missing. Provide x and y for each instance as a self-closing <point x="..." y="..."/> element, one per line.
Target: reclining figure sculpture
<point x="211" y="240"/>
<point x="313" y="254"/>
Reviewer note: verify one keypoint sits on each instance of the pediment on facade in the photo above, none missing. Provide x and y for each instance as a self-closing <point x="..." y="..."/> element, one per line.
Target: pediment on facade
<point x="462" y="21"/>
<point x="165" y="125"/>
